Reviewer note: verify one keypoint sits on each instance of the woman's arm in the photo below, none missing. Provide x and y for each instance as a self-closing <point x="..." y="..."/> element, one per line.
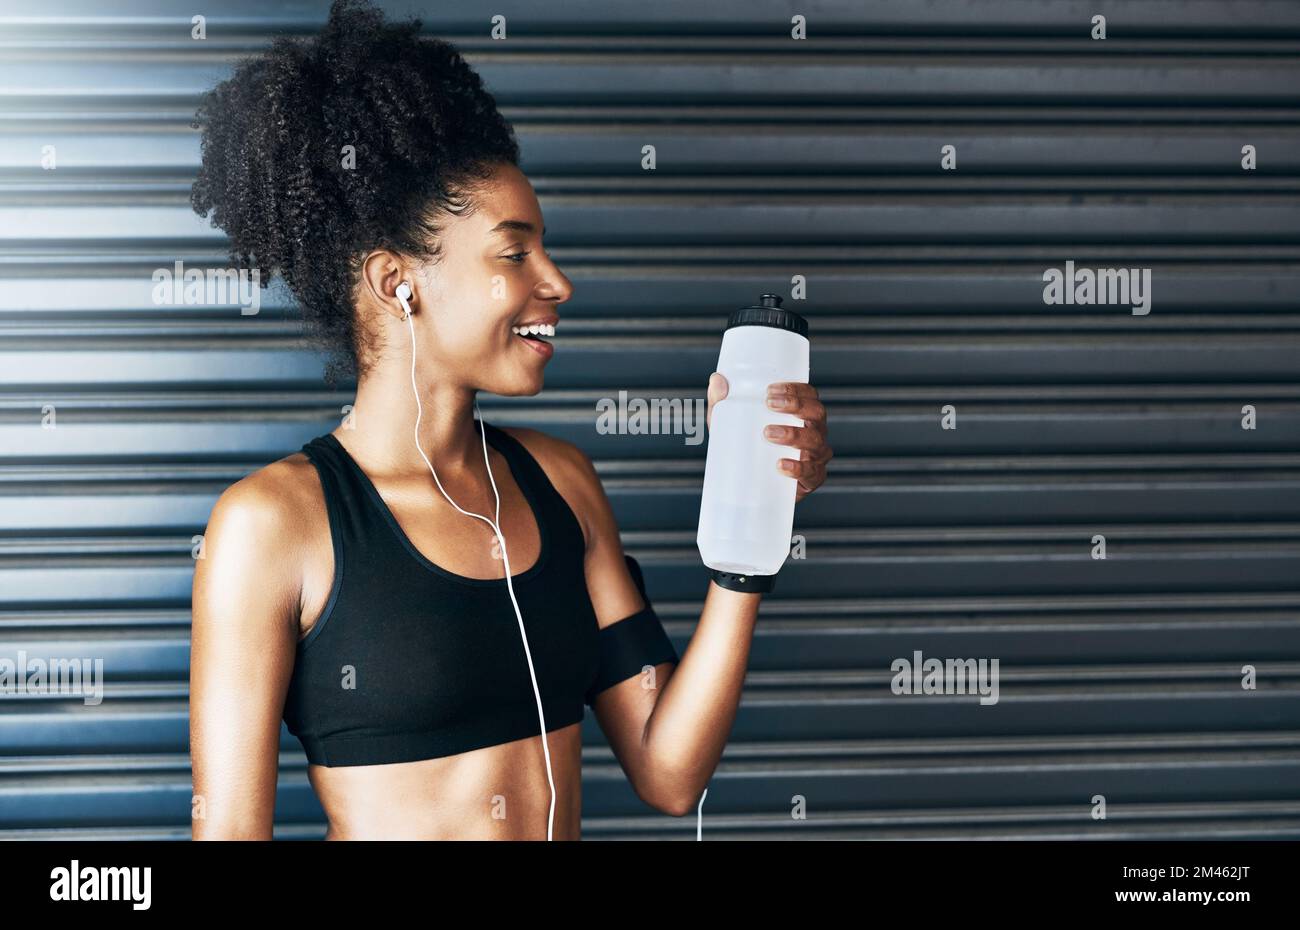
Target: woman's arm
<point x="668" y="730"/>
<point x="243" y="640"/>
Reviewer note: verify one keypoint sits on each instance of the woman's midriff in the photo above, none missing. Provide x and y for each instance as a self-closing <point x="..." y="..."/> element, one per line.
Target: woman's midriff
<point x="494" y="793"/>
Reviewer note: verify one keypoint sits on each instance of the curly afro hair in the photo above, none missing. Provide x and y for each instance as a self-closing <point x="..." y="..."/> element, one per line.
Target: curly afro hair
<point x="278" y="181"/>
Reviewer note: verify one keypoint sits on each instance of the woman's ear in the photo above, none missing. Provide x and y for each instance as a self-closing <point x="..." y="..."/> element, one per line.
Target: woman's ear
<point x="383" y="276"/>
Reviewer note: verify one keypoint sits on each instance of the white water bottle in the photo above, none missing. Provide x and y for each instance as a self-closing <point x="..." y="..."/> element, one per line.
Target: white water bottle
<point x="747" y="507"/>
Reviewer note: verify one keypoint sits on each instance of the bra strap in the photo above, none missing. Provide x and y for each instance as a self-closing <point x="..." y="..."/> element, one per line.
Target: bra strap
<point x="352" y="522"/>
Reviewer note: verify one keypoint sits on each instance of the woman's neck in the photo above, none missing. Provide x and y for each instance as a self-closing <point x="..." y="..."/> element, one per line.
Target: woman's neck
<point x="383" y="418"/>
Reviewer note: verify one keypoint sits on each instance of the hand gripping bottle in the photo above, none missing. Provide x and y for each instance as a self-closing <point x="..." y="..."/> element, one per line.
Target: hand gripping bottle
<point x="747" y="507"/>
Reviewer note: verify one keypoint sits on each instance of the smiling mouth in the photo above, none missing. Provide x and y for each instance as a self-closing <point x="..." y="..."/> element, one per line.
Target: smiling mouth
<point x="535" y="332"/>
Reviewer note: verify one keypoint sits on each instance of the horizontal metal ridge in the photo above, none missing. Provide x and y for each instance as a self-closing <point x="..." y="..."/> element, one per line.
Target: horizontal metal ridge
<point x="149" y="112"/>
<point x="1256" y="18"/>
<point x="786" y="689"/>
<point x="600" y="763"/>
<point x="574" y="403"/>
<point x="650" y="263"/>
<point x="953" y="826"/>
<point x="670" y="546"/>
<point x="1065" y="610"/>
<point x="1129" y="822"/>
<point x="1070" y="605"/>
<point x="625" y="473"/>
<point x="790" y="752"/>
<point x="102" y="296"/>
<point x="27" y="330"/>
<point x="593" y="39"/>
<point x="774" y="684"/>
<point x="912" y="178"/>
<point x="1222" y="821"/>
<point x="734" y="220"/>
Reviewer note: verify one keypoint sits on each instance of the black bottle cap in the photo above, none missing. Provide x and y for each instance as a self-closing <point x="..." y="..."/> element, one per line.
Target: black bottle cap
<point x="769" y="312"/>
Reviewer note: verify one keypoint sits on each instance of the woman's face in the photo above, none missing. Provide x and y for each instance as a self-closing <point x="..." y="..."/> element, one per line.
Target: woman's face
<point x="493" y="275"/>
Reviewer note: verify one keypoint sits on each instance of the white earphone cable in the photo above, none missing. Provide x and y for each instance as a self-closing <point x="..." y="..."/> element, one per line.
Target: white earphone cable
<point x="541" y="716"/>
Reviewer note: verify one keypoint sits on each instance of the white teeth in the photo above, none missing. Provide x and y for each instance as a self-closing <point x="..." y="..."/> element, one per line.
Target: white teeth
<point x="536" y="329"/>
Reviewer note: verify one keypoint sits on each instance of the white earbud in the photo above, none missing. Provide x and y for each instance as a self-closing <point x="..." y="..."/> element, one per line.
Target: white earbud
<point x="404" y="294"/>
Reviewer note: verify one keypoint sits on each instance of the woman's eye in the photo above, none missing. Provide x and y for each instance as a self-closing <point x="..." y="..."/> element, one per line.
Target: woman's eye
<point x="518" y="257"/>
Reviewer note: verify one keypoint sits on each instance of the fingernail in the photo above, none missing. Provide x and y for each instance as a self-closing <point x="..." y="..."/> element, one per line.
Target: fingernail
<point x="787" y="465"/>
<point x="772" y="432"/>
<point x="777" y="401"/>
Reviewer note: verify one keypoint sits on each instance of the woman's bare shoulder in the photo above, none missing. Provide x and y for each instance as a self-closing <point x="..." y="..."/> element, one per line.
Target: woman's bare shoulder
<point x="264" y="538"/>
<point x="279" y="500"/>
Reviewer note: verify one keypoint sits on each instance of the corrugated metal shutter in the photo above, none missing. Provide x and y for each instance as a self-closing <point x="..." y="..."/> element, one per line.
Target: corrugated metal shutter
<point x="776" y="158"/>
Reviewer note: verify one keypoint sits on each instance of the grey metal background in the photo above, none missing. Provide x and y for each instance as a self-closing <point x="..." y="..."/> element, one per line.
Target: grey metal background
<point x="775" y="158"/>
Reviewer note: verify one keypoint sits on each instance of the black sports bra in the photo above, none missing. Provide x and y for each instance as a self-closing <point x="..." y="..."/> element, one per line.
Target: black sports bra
<point x="410" y="661"/>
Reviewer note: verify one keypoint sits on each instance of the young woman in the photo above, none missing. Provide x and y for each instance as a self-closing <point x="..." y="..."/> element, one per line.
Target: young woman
<point x="341" y="589"/>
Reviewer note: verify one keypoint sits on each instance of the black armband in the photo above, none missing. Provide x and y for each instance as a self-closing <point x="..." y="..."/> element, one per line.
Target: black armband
<point x="629" y="645"/>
